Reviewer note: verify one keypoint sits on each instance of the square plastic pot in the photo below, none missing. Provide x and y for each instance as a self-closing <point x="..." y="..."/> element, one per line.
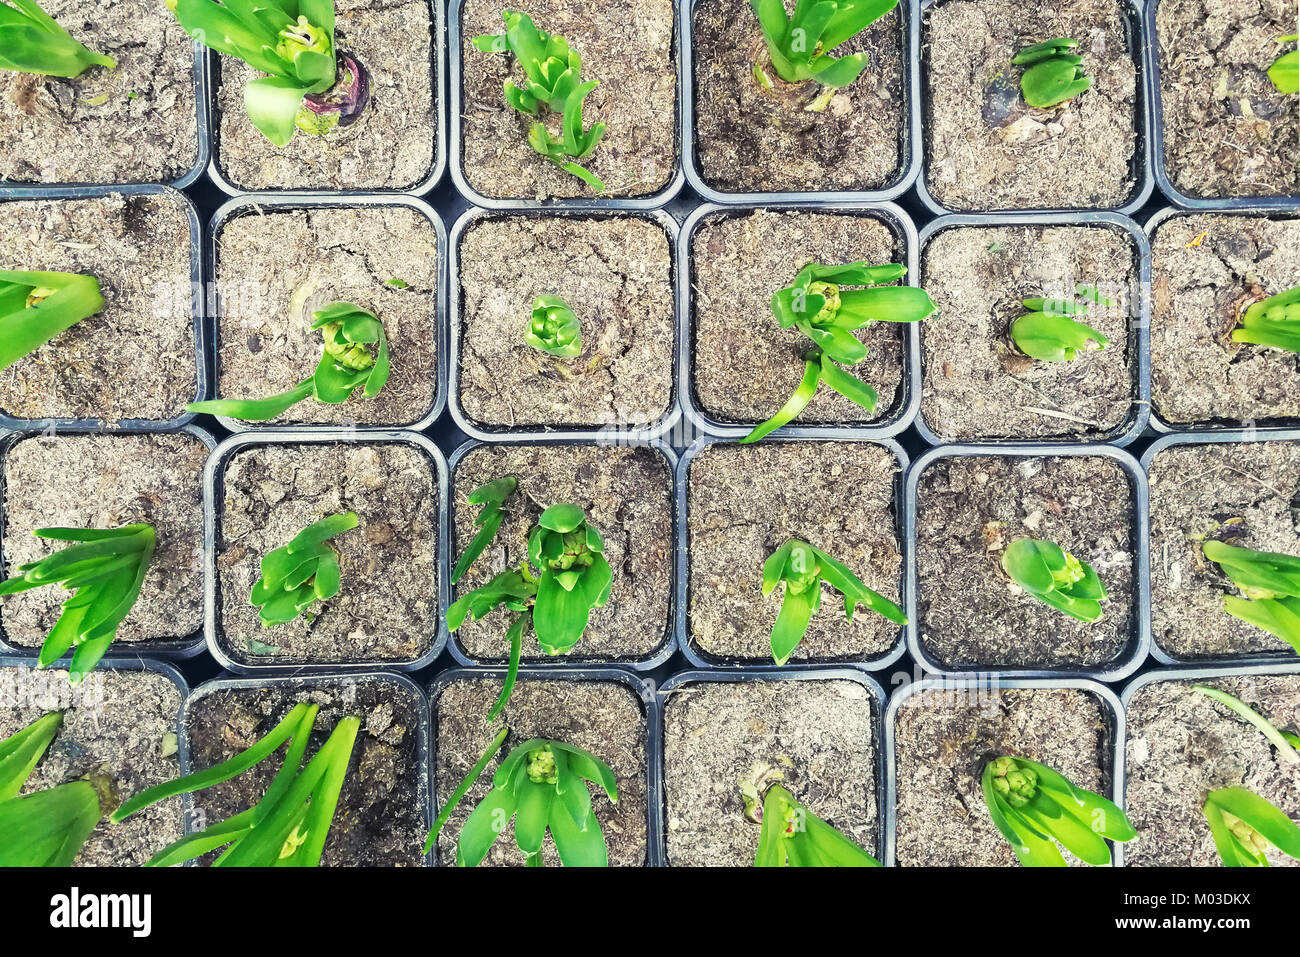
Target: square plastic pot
<point x="1139" y="642"/>
<point x="1138" y="344"/>
<point x="204" y="383"/>
<point x="1156" y="110"/>
<point x="1140" y="167"/>
<point x="1236" y="209"/>
<point x="709" y="663"/>
<point x="210" y="67"/>
<point x="452" y="329"/>
<point x="883" y="792"/>
<point x="641" y="688"/>
<point x="1222" y="437"/>
<point x="991" y="685"/>
<point x="296" y="682"/>
<point x="172" y="649"/>
<point x="456" y="108"/>
<point x="563" y="663"/>
<point x="214" y="508"/>
<point x="700" y="422"/>
<point x="909" y="149"/>
<point x="256" y="204"/>
<point x="1203" y="673"/>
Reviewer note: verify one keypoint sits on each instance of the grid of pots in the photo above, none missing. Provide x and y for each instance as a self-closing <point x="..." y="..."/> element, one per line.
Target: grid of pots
<point x="673" y="684"/>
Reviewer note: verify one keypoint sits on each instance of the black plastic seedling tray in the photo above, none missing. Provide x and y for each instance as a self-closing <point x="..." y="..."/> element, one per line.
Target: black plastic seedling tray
<point x="680" y="205"/>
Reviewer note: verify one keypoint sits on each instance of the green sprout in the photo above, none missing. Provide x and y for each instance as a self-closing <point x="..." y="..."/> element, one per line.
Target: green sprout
<point x="1272" y="322"/>
<point x="346" y="364"/>
<point x="553" y="75"/>
<point x="574" y="578"/>
<point x="794" y="836"/>
<point x="1055" y="577"/>
<point x="288" y="827"/>
<point x="1285" y="71"/>
<point x="799" y="46"/>
<point x="1054" y="72"/>
<point x="491" y="496"/>
<point x="1033" y="807"/>
<point x="817" y="305"/>
<point x="553" y="328"/>
<point x="31" y="42"/>
<point x="1270" y="588"/>
<point x="1284" y="741"/>
<point x="541" y="784"/>
<point x="1050" y="333"/>
<point x="46" y="828"/>
<point x="104" y="571"/>
<point x="293" y="42"/>
<point x="802" y="569"/>
<point x="37" y="306"/>
<point x="1244" y="826"/>
<point x="302" y="572"/>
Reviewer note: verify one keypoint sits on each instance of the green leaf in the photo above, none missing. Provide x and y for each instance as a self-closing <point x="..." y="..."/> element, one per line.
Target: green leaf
<point x="847" y="385"/>
<point x="792" y="622"/>
<point x="589" y="767"/>
<point x="562" y="518"/>
<point x="212" y="25"/>
<point x="1274" y="826"/>
<point x="771" y="842"/>
<point x="1029" y="562"/>
<point x="23" y="331"/>
<point x="793" y="406"/>
<point x="515" y="636"/>
<point x="1260" y="723"/>
<point x="559" y="616"/>
<point x="30" y="48"/>
<point x="463" y="788"/>
<point x="254" y="410"/>
<point x="48" y="828"/>
<point x="774" y="567"/>
<point x="532" y="812"/>
<point x="832" y="72"/>
<point x="577" y="847"/>
<point x="20" y="752"/>
<point x="272" y="104"/>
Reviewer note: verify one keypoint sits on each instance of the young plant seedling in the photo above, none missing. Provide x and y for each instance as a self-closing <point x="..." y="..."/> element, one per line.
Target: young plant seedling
<point x="346" y="364"/>
<point x="1035" y="809"/>
<point x="553" y="328"/>
<point x="541" y="784"/>
<point x="104" y="571"/>
<point x="553" y="74"/>
<point x="492" y="497"/>
<point x="1055" y="577"/>
<point x="1053" y="74"/>
<point x="802" y="569"/>
<point x="288" y="827"/>
<point x="1050" y="333"/>
<point x="31" y="42"/>
<point x="46" y="828"/>
<point x="799" y="46"/>
<point x="293" y="42"/>
<point x="37" y="306"/>
<point x="817" y="305"/>
<point x="1272" y="322"/>
<point x="1285" y="71"/>
<point x="794" y="836"/>
<point x="302" y="572"/>
<point x="1284" y="741"/>
<point x="1244" y="826"/>
<point x="1270" y="588"/>
<point x="557" y="600"/>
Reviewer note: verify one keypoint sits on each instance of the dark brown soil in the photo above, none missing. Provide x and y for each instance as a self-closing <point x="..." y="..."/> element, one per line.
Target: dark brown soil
<point x="1245" y="494"/>
<point x="753" y="140"/>
<point x="976" y="386"/>
<point x="1228" y="131"/>
<point x="391" y="147"/>
<point x="116" y="724"/>
<point x="744" y="365"/>
<point x="388" y="608"/>
<point x="1076" y="154"/>
<point x="139" y="249"/>
<point x="970" y="509"/>
<point x="133" y="124"/>
<point x="615" y="273"/>
<point x="275" y="269"/>
<point x="627" y="493"/>
<point x="943" y="739"/>
<point x="746" y="501"/>
<point x="1181" y="745"/>
<point x="105" y="481"/>
<point x="1204" y="270"/>
<point x="381" y="818"/>
<point x="822" y="735"/>
<point x="627" y="45"/>
<point x="601" y="717"/>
